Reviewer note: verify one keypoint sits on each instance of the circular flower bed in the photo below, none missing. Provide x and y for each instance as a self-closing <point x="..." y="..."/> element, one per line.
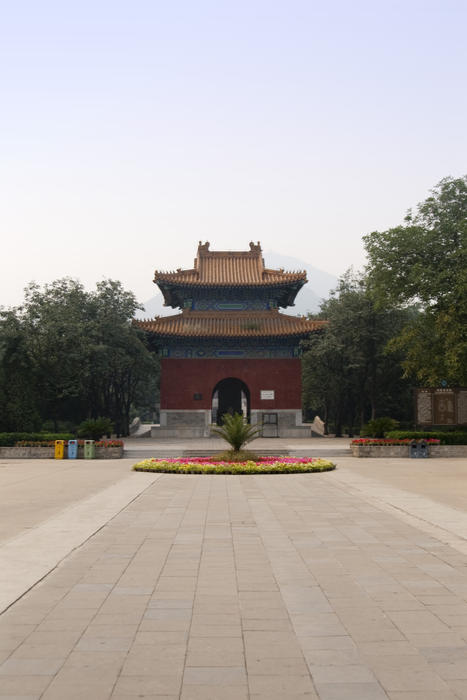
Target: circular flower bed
<point x="208" y="465"/>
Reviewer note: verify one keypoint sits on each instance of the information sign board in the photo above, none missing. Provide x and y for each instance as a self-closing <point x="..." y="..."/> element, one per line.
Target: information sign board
<point x="267" y="394"/>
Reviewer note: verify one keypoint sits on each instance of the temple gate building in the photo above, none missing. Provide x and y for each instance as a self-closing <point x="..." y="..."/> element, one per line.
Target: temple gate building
<point x="230" y="349"/>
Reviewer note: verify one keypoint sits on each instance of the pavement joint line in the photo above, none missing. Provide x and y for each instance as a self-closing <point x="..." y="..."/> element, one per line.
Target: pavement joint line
<point x="28" y="558"/>
<point x="166" y="559"/>
<point x="259" y="526"/>
<point x="200" y="564"/>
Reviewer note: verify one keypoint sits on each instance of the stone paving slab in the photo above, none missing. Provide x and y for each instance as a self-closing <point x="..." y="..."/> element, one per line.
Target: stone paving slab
<point x="33" y="491"/>
<point x="31" y="555"/>
<point x="434" y="497"/>
<point x="328" y="586"/>
<point x="440" y="479"/>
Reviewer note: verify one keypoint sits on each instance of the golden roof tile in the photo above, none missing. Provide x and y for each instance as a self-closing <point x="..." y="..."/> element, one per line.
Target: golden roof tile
<point x="233" y="324"/>
<point x="229" y="269"/>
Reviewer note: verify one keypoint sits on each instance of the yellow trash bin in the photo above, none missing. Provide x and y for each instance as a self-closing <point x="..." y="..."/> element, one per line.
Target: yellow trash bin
<point x="59" y="449"/>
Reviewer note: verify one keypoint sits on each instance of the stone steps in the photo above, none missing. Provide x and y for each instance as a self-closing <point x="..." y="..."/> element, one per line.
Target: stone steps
<point x="143" y="454"/>
<point x="172" y="454"/>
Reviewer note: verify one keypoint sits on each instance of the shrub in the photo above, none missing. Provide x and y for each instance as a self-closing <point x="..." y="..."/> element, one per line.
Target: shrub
<point x="95" y="428"/>
<point x="387" y="442"/>
<point x="236" y="432"/>
<point x="10" y="439"/>
<point x="378" y="427"/>
<point x="445" y="438"/>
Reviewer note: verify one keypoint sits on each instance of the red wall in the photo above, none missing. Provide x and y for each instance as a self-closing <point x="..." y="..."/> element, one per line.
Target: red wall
<point x="180" y="379"/>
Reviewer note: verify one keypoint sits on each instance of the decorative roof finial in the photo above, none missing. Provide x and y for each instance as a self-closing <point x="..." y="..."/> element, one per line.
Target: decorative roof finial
<point x="203" y="248"/>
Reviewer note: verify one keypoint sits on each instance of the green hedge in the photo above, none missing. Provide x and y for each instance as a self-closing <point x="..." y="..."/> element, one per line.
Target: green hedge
<point x="454" y="438"/>
<point x="10" y="439"/>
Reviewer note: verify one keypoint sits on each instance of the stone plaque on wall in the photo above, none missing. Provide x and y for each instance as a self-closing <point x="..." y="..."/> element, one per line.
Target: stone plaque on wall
<point x="441" y="406"/>
<point x="424" y="407"/>
<point x="462" y="407"/>
<point x="444" y="407"/>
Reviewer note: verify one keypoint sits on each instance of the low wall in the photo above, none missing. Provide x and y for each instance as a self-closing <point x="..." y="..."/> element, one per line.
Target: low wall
<point x="448" y="451"/>
<point x="38" y="452"/>
<point x="404" y="450"/>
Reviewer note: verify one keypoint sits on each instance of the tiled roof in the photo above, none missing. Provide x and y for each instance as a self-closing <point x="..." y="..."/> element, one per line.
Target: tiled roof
<point x="234" y="324"/>
<point x="229" y="268"/>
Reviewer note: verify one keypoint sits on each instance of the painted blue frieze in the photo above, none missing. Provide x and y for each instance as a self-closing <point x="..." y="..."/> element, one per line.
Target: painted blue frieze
<point x="226" y="350"/>
<point x="233" y="299"/>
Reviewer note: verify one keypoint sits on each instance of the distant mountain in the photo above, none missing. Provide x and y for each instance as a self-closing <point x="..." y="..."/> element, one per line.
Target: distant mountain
<point x="319" y="281"/>
<point x="155" y="307"/>
<point x="308" y="299"/>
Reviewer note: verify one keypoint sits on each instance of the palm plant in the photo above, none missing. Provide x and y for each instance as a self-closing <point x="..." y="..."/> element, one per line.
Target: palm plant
<point x="235" y="431"/>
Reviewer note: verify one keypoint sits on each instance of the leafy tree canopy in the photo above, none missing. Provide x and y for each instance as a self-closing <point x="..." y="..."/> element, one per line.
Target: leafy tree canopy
<point x="348" y="375"/>
<point x="424" y="261"/>
<point x="67" y="354"/>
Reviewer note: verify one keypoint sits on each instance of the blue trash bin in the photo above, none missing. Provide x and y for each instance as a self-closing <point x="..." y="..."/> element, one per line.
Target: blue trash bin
<point x="72" y="449"/>
<point x="413" y="449"/>
<point x="423" y="449"/>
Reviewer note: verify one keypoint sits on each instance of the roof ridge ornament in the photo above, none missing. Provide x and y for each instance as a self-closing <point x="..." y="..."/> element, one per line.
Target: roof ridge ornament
<point x="229" y="270"/>
<point x="203" y="247"/>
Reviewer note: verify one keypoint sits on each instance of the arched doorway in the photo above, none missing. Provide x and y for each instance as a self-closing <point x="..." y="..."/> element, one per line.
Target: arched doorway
<point x="230" y="395"/>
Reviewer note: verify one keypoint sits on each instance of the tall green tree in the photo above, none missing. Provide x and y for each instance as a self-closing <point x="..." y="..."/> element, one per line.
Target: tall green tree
<point x="68" y="354"/>
<point x="120" y="355"/>
<point x="348" y="374"/>
<point x="19" y="397"/>
<point x="57" y="325"/>
<point x="424" y="262"/>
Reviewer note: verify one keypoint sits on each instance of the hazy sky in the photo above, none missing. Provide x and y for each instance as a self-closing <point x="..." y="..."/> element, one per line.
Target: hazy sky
<point x="131" y="130"/>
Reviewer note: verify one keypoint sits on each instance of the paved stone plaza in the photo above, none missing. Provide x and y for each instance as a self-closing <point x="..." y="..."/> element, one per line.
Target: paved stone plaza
<point x="347" y="585"/>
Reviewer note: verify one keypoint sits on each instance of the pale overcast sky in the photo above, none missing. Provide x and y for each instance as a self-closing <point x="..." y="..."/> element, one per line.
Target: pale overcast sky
<point x="131" y="130"/>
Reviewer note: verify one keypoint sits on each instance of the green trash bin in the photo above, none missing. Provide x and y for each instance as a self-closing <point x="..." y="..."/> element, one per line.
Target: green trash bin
<point x="89" y="449"/>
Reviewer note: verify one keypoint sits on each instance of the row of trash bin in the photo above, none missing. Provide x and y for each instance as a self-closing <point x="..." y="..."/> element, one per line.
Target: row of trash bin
<point x="89" y="449"/>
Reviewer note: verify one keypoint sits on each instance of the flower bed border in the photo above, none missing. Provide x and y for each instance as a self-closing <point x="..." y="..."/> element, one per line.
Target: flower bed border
<point x="48" y="452"/>
<point x="200" y="466"/>
<point x="361" y="450"/>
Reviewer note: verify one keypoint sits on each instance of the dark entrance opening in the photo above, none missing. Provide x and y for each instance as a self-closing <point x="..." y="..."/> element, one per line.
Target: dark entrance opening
<point x="230" y="396"/>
